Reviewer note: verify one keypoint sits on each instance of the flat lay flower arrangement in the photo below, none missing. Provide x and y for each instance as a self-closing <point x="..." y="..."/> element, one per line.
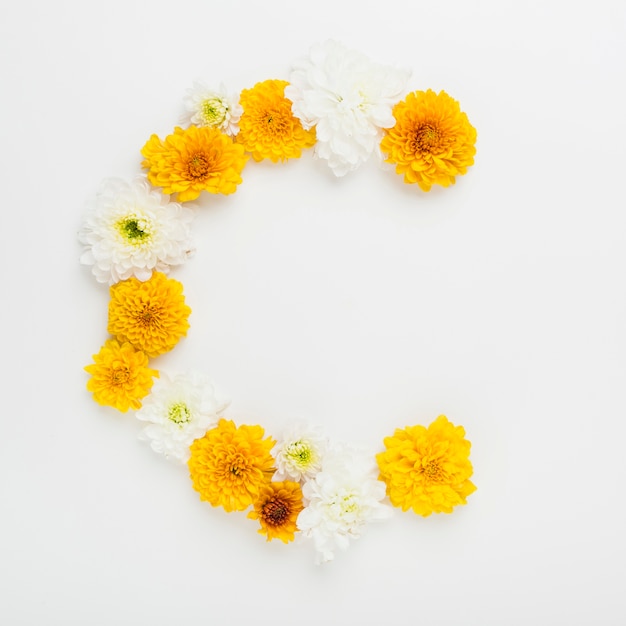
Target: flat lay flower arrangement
<point x="346" y="109"/>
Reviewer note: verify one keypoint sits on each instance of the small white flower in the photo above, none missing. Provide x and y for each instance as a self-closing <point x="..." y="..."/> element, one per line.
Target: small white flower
<point x="348" y="99"/>
<point x="341" y="499"/>
<point x="131" y="229"/>
<point x="179" y="410"/>
<point x="209" y="107"/>
<point x="299" y="453"/>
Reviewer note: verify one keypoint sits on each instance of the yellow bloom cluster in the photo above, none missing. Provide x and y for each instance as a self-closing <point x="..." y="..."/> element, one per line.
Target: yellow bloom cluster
<point x="427" y="469"/>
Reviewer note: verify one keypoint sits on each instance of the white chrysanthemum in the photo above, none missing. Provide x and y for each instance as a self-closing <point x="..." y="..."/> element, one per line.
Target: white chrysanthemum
<point x="180" y="410"/>
<point x="341" y="499"/>
<point x="208" y="107"/>
<point x="299" y="453"/>
<point x="348" y="99"/>
<point x="132" y="229"/>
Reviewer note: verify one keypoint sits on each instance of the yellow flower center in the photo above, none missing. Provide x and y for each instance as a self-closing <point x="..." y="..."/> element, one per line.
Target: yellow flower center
<point x="214" y="112"/>
<point x="119" y="376"/>
<point x="179" y="413"/>
<point x="432" y="471"/>
<point x="427" y="137"/>
<point x="275" y="512"/>
<point x="276" y="124"/>
<point x="198" y="166"/>
<point x="148" y="316"/>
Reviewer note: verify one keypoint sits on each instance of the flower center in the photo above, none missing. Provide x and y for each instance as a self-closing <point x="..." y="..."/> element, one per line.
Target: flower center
<point x="300" y="454"/>
<point x="148" y="316"/>
<point x="179" y="414"/>
<point x="427" y="137"/>
<point x="344" y="507"/>
<point x="275" y="123"/>
<point x="214" y="111"/>
<point x="275" y="512"/>
<point x="119" y="375"/>
<point x="135" y="230"/>
<point x="198" y="166"/>
<point x="432" y="471"/>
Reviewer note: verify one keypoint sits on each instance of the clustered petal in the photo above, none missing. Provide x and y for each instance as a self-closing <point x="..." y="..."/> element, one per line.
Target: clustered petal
<point x="268" y="128"/>
<point x="179" y="410"/>
<point x="193" y="160"/>
<point x="120" y="376"/>
<point x="151" y="315"/>
<point x="427" y="469"/>
<point x="215" y="108"/>
<point x="277" y="507"/>
<point x="348" y="99"/>
<point x="230" y="465"/>
<point x="432" y="140"/>
<point x="131" y="229"/>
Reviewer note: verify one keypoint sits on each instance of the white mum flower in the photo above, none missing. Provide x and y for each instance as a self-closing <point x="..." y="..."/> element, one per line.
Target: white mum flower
<point x="341" y="499"/>
<point x="299" y="453"/>
<point x="131" y="229"/>
<point x="209" y="107"/>
<point x="348" y="99"/>
<point x="179" y="410"/>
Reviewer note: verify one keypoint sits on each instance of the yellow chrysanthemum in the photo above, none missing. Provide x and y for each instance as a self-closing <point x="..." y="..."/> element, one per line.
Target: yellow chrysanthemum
<point x="432" y="140"/>
<point x="230" y="465"/>
<point x="150" y="315"/>
<point x="194" y="160"/>
<point x="120" y="376"/>
<point x="427" y="469"/>
<point x="268" y="128"/>
<point x="277" y="508"/>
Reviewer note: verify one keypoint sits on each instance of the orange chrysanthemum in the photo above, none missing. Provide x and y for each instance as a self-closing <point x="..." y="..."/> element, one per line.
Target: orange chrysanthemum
<point x="427" y="469"/>
<point x="194" y="160"/>
<point x="268" y="128"/>
<point x="150" y="315"/>
<point x="120" y="376"/>
<point x="230" y="465"/>
<point x="432" y="140"/>
<point x="277" y="508"/>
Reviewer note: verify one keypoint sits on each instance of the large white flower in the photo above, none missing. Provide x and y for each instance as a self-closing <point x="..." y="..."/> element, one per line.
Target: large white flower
<point x="348" y="99"/>
<point x="341" y="499"/>
<point x="299" y="453"/>
<point x="205" y="106"/>
<point x="179" y="410"/>
<point x="132" y="229"/>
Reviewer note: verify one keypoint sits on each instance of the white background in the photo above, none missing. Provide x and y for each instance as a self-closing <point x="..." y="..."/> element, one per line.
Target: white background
<point x="359" y="303"/>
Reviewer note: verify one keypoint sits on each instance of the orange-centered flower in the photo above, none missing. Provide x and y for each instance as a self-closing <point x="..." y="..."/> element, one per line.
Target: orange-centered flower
<point x="120" y="376"/>
<point x="277" y="508"/>
<point x="427" y="469"/>
<point x="230" y="465"/>
<point x="268" y="128"/>
<point x="432" y="140"/>
<point x="194" y="160"/>
<point x="150" y="315"/>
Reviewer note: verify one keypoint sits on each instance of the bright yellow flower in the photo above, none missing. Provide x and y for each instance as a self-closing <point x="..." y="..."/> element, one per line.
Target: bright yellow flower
<point x="150" y="315"/>
<point x="432" y="140"/>
<point x="120" y="376"/>
<point x="194" y="160"/>
<point x="268" y="128"/>
<point x="277" y="508"/>
<point x="230" y="465"/>
<point x="427" y="469"/>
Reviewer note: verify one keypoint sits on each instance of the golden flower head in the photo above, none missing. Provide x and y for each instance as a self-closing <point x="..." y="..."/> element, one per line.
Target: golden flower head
<point x="194" y="160"/>
<point x="432" y="140"/>
<point x="277" y="508"/>
<point x="150" y="315"/>
<point x="427" y="469"/>
<point x="120" y="376"/>
<point x="268" y="129"/>
<point x="230" y="465"/>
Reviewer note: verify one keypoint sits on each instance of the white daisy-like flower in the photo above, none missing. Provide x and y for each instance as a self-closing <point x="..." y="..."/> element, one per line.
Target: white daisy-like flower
<point x="299" y="453"/>
<point x="132" y="229"/>
<point x="348" y="99"/>
<point x="209" y="107"/>
<point x="179" y="410"/>
<point x="341" y="500"/>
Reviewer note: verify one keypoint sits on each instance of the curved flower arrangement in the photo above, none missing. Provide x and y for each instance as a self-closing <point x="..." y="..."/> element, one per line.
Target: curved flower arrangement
<point x="346" y="108"/>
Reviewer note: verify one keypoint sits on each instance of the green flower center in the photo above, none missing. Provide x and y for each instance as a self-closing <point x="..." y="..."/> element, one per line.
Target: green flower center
<point x="300" y="454"/>
<point x="135" y="230"/>
<point x="179" y="413"/>
<point x="214" y="112"/>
